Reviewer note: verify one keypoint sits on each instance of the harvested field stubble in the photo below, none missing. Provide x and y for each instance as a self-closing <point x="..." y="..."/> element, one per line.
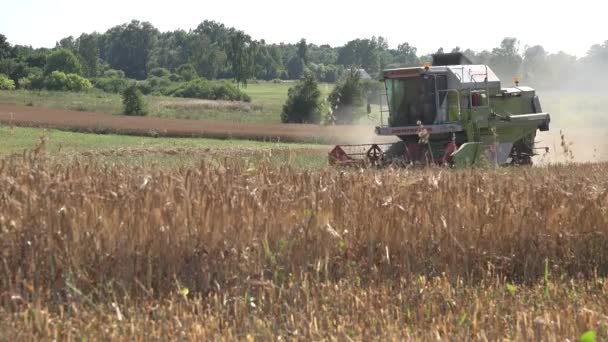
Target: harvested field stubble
<point x="166" y="127"/>
<point x="225" y="249"/>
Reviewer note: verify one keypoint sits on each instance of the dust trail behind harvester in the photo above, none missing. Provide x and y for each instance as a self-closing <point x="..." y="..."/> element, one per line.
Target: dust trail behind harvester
<point x="579" y="126"/>
<point x="363" y="132"/>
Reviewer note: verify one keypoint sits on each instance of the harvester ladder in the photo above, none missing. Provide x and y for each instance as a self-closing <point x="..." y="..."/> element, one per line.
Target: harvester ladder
<point x="383" y="96"/>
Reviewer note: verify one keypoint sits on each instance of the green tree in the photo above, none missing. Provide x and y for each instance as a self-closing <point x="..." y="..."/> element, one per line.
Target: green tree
<point x="295" y="67"/>
<point x="362" y="52"/>
<point x="347" y="98"/>
<point x="6" y="51"/>
<point x="240" y="57"/>
<point x="128" y="47"/>
<point x="89" y="53"/>
<point x="534" y="65"/>
<point x="171" y="50"/>
<point x="133" y="101"/>
<point x="266" y="66"/>
<point x="67" y="43"/>
<point x="598" y="53"/>
<point x="303" y="103"/>
<point x="216" y="32"/>
<point x="505" y="60"/>
<point x="207" y="57"/>
<point x="14" y="68"/>
<point x="63" y="60"/>
<point x="406" y="55"/>
<point x="303" y="51"/>
<point x="37" y="58"/>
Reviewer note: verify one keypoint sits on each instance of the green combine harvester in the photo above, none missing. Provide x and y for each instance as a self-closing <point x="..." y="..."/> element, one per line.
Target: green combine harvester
<point x="451" y="113"/>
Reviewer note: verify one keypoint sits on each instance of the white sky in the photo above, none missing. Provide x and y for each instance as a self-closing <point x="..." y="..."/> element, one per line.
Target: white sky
<point x="427" y="25"/>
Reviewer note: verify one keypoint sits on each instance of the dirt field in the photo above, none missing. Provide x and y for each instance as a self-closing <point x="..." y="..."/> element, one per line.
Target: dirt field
<point x="105" y="123"/>
<point x="586" y="144"/>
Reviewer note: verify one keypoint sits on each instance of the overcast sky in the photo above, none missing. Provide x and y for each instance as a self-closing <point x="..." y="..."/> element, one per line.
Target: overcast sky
<point x="427" y="25"/>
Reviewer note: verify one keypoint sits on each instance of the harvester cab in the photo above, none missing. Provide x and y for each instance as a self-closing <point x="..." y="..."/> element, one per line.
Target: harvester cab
<point x="451" y="112"/>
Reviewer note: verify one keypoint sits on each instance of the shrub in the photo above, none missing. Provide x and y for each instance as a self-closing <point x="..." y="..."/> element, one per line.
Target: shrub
<point x="78" y="83"/>
<point x="32" y="82"/>
<point x="346" y="99"/>
<point x="6" y="83"/>
<point x="176" y="78"/>
<point x="203" y="89"/>
<point x="199" y="88"/>
<point x="112" y="84"/>
<point x="133" y="101"/>
<point x="60" y="81"/>
<point x="159" y="72"/>
<point x="303" y="103"/>
<point x="155" y="85"/>
<point x="226" y="91"/>
<point x="112" y="73"/>
<point x="63" y="60"/>
<point x="187" y="72"/>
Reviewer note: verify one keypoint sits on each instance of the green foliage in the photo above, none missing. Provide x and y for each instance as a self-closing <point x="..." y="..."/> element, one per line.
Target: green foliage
<point x="589" y="336"/>
<point x="240" y="57"/>
<point x="34" y="80"/>
<point x="296" y="67"/>
<point x="187" y="72"/>
<point x="61" y="81"/>
<point x="215" y="51"/>
<point x="203" y="89"/>
<point x="128" y="47"/>
<point x="63" y="60"/>
<point x="6" y="51"/>
<point x="303" y="50"/>
<point x="6" y="83"/>
<point x="67" y="43"/>
<point x="14" y="69"/>
<point x="155" y="85"/>
<point x="506" y="60"/>
<point x="133" y="101"/>
<point x="347" y="98"/>
<point x="159" y="72"/>
<point x="547" y="283"/>
<point x="405" y="56"/>
<point x="364" y="53"/>
<point x="303" y="103"/>
<point x="112" y="81"/>
<point x="88" y="51"/>
<point x="114" y="73"/>
<point x="327" y="73"/>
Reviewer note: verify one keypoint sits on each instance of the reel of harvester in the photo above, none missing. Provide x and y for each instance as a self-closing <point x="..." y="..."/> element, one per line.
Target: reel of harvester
<point x="398" y="154"/>
<point x="358" y="155"/>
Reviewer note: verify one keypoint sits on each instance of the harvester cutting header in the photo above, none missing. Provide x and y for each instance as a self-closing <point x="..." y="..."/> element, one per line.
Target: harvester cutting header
<point x="451" y="113"/>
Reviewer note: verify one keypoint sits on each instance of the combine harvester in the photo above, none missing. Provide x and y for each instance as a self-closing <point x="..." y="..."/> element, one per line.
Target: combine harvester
<point x="451" y="113"/>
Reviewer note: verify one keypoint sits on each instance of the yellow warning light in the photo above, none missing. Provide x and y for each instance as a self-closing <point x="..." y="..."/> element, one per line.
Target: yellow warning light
<point x="427" y="65"/>
<point x="516" y="80"/>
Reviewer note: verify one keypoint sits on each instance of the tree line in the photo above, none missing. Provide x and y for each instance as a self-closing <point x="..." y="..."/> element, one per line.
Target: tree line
<point x="139" y="51"/>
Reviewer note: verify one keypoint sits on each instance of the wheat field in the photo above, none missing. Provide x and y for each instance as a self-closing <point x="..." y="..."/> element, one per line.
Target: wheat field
<point x="224" y="249"/>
